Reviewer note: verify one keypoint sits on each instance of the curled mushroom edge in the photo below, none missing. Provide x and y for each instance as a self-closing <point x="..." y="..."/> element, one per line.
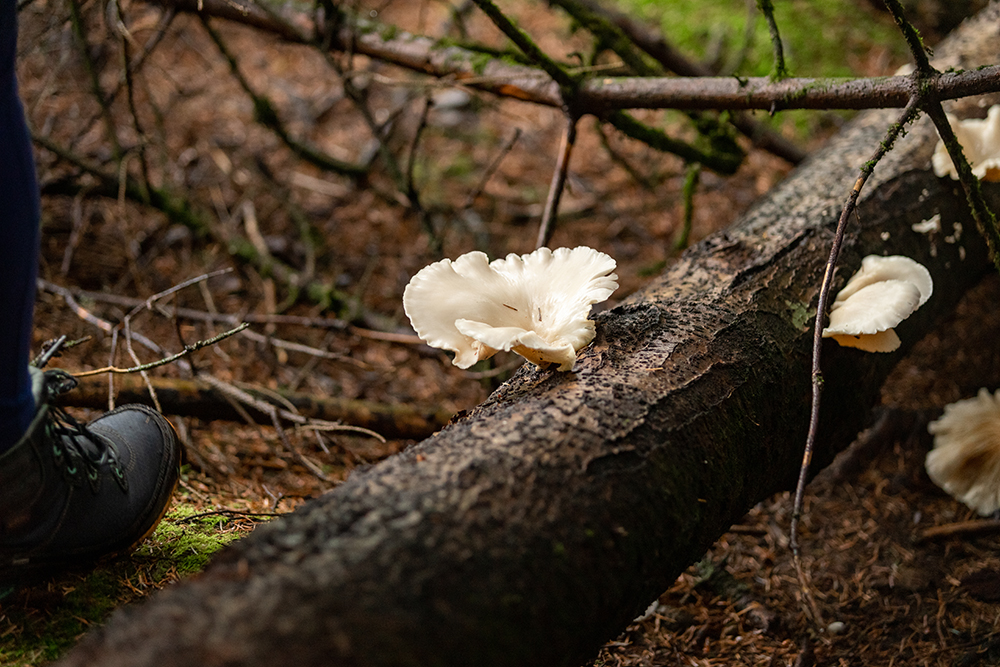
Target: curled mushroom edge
<point x="883" y="293"/>
<point x="536" y="304"/>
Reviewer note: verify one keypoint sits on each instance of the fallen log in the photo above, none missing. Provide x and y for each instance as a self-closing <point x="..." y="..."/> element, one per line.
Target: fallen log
<point x="535" y="528"/>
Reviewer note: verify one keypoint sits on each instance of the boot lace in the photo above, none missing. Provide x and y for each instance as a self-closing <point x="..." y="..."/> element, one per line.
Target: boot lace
<point x="75" y="448"/>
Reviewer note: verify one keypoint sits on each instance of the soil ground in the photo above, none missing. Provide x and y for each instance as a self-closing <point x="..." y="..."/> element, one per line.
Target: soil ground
<point x="895" y="596"/>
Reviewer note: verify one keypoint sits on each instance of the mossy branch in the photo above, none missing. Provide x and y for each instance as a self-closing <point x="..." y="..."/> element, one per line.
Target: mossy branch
<point x="926" y="78"/>
<point x="266" y="115"/>
<point x="779" y="70"/>
<point x="913" y="39"/>
<point x="614" y="38"/>
<point x="986" y="221"/>
<point x="610" y="36"/>
<point x="529" y="84"/>
<point x="722" y="162"/>
<point x="523" y="41"/>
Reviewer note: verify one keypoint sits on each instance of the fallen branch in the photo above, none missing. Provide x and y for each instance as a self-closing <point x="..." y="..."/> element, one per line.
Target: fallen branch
<point x="600" y="94"/>
<point x="188" y="349"/>
<point x="963" y="529"/>
<point x="196" y="398"/>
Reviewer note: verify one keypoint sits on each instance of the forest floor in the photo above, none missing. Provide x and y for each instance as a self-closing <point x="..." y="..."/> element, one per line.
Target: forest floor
<point x="895" y="595"/>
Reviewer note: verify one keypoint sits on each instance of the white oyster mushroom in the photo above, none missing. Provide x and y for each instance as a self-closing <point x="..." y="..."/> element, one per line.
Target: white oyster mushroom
<point x="536" y="304"/>
<point x="965" y="460"/>
<point x="883" y="293"/>
<point x="980" y="139"/>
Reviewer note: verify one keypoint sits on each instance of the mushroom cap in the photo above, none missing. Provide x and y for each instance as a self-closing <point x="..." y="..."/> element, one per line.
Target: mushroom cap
<point x="535" y="304"/>
<point x="980" y="139"/>
<point x="876" y="268"/>
<point x="965" y="460"/>
<point x="883" y="293"/>
<point x="873" y="308"/>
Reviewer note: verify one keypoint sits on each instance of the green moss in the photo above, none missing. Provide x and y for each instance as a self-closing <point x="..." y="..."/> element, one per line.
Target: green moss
<point x="185" y="541"/>
<point x="801" y="314"/>
<point x="40" y="623"/>
<point x="389" y="32"/>
<point x="479" y="63"/>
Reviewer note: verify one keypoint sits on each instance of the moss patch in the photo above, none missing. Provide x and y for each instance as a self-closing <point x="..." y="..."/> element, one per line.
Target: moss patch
<point x="39" y="623"/>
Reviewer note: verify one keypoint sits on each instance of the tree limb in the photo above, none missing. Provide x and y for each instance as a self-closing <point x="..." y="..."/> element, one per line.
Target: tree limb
<point x="194" y="398"/>
<point x="603" y="94"/>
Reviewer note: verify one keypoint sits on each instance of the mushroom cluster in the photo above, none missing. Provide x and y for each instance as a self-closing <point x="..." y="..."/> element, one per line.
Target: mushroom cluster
<point x="883" y="293"/>
<point x="980" y="139"/>
<point x="965" y="460"/>
<point x="536" y="304"/>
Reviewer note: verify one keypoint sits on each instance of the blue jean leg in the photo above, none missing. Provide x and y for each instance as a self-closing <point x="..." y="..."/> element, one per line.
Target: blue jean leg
<point x="19" y="238"/>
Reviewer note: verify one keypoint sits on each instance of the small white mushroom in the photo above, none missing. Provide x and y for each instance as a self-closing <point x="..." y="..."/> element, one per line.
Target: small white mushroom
<point x="980" y="139"/>
<point x="965" y="460"/>
<point x="883" y="293"/>
<point x="536" y="304"/>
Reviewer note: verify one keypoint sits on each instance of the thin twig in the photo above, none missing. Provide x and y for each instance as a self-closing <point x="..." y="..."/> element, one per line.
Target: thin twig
<point x="136" y="64"/>
<point x="229" y="513"/>
<point x="966" y="529"/>
<point x="148" y="303"/>
<point x="142" y="368"/>
<point x="188" y="349"/>
<point x="691" y="178"/>
<point x="80" y="32"/>
<point x="547" y="226"/>
<point x="127" y="72"/>
<point x="411" y="192"/>
<point x="778" y="69"/>
<point x="276" y="414"/>
<point x="521" y="39"/>
<point x="314" y="352"/>
<point x="491" y="169"/>
<point x="649" y="182"/>
<point x="913" y="39"/>
<point x="190" y="313"/>
<point x="909" y="113"/>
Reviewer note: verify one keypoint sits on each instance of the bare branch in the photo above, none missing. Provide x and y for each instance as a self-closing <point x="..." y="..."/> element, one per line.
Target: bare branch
<point x="558" y="183"/>
<point x="423" y="54"/>
<point x="909" y="113"/>
<point x="188" y="349"/>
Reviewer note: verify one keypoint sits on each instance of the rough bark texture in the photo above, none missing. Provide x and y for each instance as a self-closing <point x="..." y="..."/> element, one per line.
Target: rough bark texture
<point x="536" y="527"/>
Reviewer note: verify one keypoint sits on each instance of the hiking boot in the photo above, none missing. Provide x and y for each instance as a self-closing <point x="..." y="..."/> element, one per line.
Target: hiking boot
<point x="72" y="493"/>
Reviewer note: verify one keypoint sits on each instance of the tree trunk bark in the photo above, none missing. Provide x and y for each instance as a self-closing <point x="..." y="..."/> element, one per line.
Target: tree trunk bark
<point x="535" y="528"/>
